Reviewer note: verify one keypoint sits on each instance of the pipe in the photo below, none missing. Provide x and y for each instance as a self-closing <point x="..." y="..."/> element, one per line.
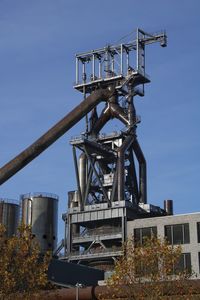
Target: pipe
<point x="112" y="110"/>
<point x="142" y="172"/>
<point x="168" y="207"/>
<point x="133" y="177"/>
<point x="80" y="200"/>
<point x="120" y="165"/>
<point x="83" y="175"/>
<point x="89" y="180"/>
<point x="93" y="118"/>
<point x="131" y="108"/>
<point x="101" y="121"/>
<point x="118" y="113"/>
<point x="25" y="157"/>
<point x="122" y="291"/>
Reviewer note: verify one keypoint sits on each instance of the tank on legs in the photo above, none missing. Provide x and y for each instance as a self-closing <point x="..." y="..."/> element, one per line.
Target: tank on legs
<point x="9" y="215"/>
<point x="40" y="211"/>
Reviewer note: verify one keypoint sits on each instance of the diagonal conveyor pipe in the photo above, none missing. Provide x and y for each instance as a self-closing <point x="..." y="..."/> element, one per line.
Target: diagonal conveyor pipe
<point x="25" y="157"/>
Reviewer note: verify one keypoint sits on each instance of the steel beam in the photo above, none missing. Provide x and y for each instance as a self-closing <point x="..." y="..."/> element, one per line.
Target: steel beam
<point x="25" y="157"/>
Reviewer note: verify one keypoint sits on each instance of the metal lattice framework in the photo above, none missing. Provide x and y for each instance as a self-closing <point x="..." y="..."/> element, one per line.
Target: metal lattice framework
<point x="110" y="188"/>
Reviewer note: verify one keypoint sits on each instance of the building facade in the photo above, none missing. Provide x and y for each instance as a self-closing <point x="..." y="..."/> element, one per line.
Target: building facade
<point x="181" y="230"/>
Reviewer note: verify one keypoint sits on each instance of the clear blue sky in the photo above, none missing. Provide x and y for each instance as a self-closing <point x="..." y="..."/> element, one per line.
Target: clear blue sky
<point x="38" y="41"/>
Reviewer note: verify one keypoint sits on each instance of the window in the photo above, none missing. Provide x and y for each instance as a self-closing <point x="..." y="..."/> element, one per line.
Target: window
<point x="184" y="264"/>
<point x="198" y="232"/>
<point x="141" y="233"/>
<point x="177" y="234"/>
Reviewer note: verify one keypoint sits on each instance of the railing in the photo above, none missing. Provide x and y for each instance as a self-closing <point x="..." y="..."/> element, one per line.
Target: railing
<point x="98" y="231"/>
<point x="39" y="194"/>
<point x="94" y="251"/>
<point x="9" y="201"/>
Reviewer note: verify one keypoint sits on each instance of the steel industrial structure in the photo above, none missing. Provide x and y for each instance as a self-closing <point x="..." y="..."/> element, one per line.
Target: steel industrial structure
<point x="110" y="188"/>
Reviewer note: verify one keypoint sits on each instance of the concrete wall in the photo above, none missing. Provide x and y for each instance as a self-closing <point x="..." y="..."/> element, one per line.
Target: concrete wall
<point x="193" y="247"/>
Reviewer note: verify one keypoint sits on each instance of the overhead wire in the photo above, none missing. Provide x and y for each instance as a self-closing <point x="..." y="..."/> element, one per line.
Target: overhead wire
<point x="125" y="36"/>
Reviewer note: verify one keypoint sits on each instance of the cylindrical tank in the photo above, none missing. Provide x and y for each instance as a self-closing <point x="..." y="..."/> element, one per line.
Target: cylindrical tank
<point x="168" y="207"/>
<point x="40" y="211"/>
<point x="9" y="215"/>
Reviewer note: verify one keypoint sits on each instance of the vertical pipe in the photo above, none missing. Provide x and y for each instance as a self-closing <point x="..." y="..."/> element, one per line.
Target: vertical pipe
<point x="137" y="50"/>
<point x="168" y="207"/>
<point x="107" y="67"/>
<point x="83" y="72"/>
<point x="69" y="234"/>
<point x="89" y="179"/>
<point x="114" y="186"/>
<point x="133" y="177"/>
<point x="131" y="108"/>
<point x="142" y="176"/>
<point x="127" y="61"/>
<point x="77" y="178"/>
<point x="121" y="59"/>
<point x="120" y="175"/>
<point x="100" y="71"/>
<point x="77" y="70"/>
<point x="65" y="239"/>
<point x="82" y="174"/>
<point x="93" y="67"/>
<point x="113" y="64"/>
<point x="142" y="172"/>
<point x="123" y="228"/>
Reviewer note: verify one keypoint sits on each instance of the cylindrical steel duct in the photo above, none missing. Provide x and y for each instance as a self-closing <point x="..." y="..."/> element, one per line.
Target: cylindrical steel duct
<point x="83" y="174"/>
<point x="9" y="215"/>
<point x="53" y="134"/>
<point x="118" y="112"/>
<point x="120" y="166"/>
<point x="101" y="121"/>
<point x="142" y="172"/>
<point x="74" y="202"/>
<point x="73" y="199"/>
<point x="40" y="211"/>
<point x="168" y="207"/>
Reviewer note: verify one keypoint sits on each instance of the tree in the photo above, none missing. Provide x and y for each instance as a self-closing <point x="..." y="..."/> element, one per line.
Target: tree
<point x="22" y="267"/>
<point x="150" y="271"/>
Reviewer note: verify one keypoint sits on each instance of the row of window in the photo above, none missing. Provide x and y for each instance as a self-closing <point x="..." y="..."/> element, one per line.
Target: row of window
<point x="183" y="265"/>
<point x="175" y="234"/>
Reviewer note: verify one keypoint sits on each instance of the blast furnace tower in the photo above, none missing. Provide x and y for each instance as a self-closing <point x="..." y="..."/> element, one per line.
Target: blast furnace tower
<point x="110" y="168"/>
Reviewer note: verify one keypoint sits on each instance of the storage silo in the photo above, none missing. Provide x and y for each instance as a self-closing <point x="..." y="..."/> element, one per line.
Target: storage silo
<point x="40" y="211"/>
<point x="9" y="215"/>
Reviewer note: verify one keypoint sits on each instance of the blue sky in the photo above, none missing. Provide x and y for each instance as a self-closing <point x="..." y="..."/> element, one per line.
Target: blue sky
<point x="38" y="41"/>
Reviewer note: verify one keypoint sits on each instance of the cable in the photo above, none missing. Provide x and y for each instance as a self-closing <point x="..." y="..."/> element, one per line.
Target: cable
<point x="125" y="36"/>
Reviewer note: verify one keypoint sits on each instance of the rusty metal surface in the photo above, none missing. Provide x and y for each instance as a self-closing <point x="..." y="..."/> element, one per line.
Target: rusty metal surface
<point x="189" y="290"/>
<point x="25" y="157"/>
